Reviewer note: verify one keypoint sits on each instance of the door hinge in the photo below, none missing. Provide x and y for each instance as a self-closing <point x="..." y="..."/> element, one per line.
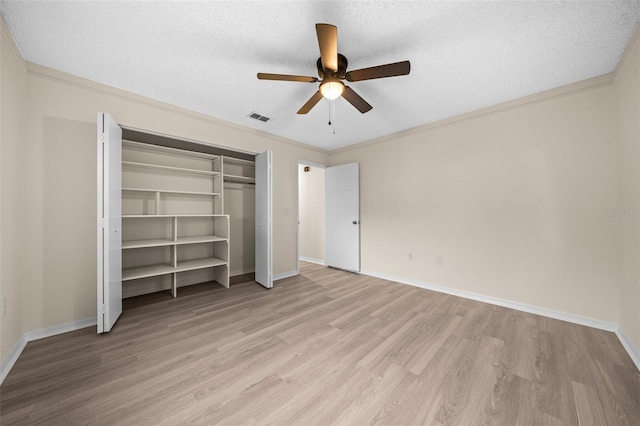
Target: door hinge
<point x="102" y="309"/>
<point x="102" y="222"/>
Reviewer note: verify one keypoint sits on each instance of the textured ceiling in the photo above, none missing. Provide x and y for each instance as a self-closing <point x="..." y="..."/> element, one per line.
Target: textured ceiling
<point x="205" y="55"/>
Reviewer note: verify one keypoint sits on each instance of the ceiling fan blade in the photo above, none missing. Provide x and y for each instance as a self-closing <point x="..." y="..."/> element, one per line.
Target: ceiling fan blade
<point x="310" y="103"/>
<point x="285" y="77"/>
<point x="381" y="71"/>
<point x="354" y="99"/>
<point x="328" y="42"/>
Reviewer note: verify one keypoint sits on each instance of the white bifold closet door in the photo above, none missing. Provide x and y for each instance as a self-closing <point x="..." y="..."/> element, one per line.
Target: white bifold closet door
<point x="264" y="234"/>
<point x="342" y="185"/>
<point x="109" y="222"/>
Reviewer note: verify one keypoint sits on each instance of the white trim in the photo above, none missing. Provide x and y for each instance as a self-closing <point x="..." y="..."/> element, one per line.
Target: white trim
<point x="42" y="71"/>
<point x="285" y="275"/>
<point x="547" y="95"/>
<point x="7" y="363"/>
<point x="59" y="329"/>
<point x="627" y="343"/>
<point x="316" y="261"/>
<point x="632" y="349"/>
<point x="550" y="313"/>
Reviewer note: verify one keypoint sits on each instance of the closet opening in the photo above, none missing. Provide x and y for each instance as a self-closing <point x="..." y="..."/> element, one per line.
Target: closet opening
<point x="173" y="213"/>
<point x="195" y="186"/>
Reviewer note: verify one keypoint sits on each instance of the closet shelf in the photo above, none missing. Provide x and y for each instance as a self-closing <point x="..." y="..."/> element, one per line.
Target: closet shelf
<point x="146" y="147"/>
<point x="133" y="164"/>
<point x="163" y="269"/>
<point x="239" y="179"/>
<point x="160" y="242"/>
<point x="166" y="191"/>
<point x="239" y="161"/>
<point x="129" y="216"/>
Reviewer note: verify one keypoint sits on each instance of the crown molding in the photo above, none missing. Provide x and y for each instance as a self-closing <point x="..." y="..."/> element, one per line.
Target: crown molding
<point x="570" y="89"/>
<point x="7" y="37"/>
<point x="628" y="51"/>
<point x="41" y="71"/>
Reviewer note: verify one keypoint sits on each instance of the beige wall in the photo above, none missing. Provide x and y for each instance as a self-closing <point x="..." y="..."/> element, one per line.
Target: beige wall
<point x="512" y="199"/>
<point x="627" y="91"/>
<point x="61" y="180"/>
<point x="13" y="108"/>
<point x="312" y="208"/>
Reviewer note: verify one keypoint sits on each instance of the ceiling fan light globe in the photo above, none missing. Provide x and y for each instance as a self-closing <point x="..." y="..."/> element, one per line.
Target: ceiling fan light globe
<point x="332" y="89"/>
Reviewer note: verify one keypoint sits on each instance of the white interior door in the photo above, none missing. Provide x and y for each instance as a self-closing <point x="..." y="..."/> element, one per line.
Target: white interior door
<point x="343" y="216"/>
<point x="109" y="222"/>
<point x="264" y="237"/>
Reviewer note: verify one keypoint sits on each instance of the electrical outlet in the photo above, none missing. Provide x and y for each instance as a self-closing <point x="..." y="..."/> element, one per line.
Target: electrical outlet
<point x="4" y="306"/>
<point x="439" y="260"/>
<point x="410" y="256"/>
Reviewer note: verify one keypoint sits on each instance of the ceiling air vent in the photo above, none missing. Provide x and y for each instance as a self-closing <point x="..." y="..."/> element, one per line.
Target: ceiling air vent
<point x="259" y="117"/>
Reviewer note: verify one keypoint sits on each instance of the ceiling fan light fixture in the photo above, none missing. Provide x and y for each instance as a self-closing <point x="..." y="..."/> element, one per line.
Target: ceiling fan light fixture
<point x="331" y="88"/>
<point x="332" y="68"/>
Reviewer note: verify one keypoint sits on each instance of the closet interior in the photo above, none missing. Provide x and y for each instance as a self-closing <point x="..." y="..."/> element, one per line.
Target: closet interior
<point x="188" y="213"/>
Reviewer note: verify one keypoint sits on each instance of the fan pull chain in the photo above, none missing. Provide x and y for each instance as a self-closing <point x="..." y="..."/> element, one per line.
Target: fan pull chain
<point x="332" y="113"/>
<point x="333" y="109"/>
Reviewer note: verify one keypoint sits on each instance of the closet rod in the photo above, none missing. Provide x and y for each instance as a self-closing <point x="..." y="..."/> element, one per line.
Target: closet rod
<point x="239" y="183"/>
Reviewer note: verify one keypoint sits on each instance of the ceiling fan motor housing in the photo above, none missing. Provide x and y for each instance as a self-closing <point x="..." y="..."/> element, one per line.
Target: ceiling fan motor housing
<point x="340" y="74"/>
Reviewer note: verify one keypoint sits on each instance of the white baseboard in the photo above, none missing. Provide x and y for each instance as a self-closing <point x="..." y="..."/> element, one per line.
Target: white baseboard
<point x="627" y="343"/>
<point x="632" y="349"/>
<point x="7" y="363"/>
<point x="309" y="259"/>
<point x="550" y="313"/>
<point x="285" y="275"/>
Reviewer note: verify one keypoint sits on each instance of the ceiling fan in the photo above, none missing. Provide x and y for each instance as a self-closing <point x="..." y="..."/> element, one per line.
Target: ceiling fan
<point x="332" y="68"/>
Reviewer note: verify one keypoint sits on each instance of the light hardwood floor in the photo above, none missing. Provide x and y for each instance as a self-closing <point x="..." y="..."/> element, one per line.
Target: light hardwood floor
<point x="325" y="347"/>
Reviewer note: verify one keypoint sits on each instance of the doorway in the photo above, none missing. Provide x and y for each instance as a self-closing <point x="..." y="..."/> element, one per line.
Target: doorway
<point x="311" y="213"/>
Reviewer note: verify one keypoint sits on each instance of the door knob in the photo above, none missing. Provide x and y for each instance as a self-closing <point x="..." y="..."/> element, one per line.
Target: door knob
<point x="355" y="222"/>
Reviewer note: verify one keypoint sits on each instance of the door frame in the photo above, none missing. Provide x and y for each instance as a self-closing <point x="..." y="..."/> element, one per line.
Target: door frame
<point x="300" y="162"/>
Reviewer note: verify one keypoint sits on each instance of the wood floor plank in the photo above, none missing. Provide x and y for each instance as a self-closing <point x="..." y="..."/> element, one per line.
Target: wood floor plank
<point x="426" y="355"/>
<point x="554" y="390"/>
<point x="362" y="408"/>
<point x="324" y="347"/>
<point x="472" y="373"/>
<point x="588" y="405"/>
<point x="418" y="399"/>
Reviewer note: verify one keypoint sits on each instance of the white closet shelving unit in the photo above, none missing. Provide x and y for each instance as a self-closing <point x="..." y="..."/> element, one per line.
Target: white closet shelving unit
<point x="174" y="229"/>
